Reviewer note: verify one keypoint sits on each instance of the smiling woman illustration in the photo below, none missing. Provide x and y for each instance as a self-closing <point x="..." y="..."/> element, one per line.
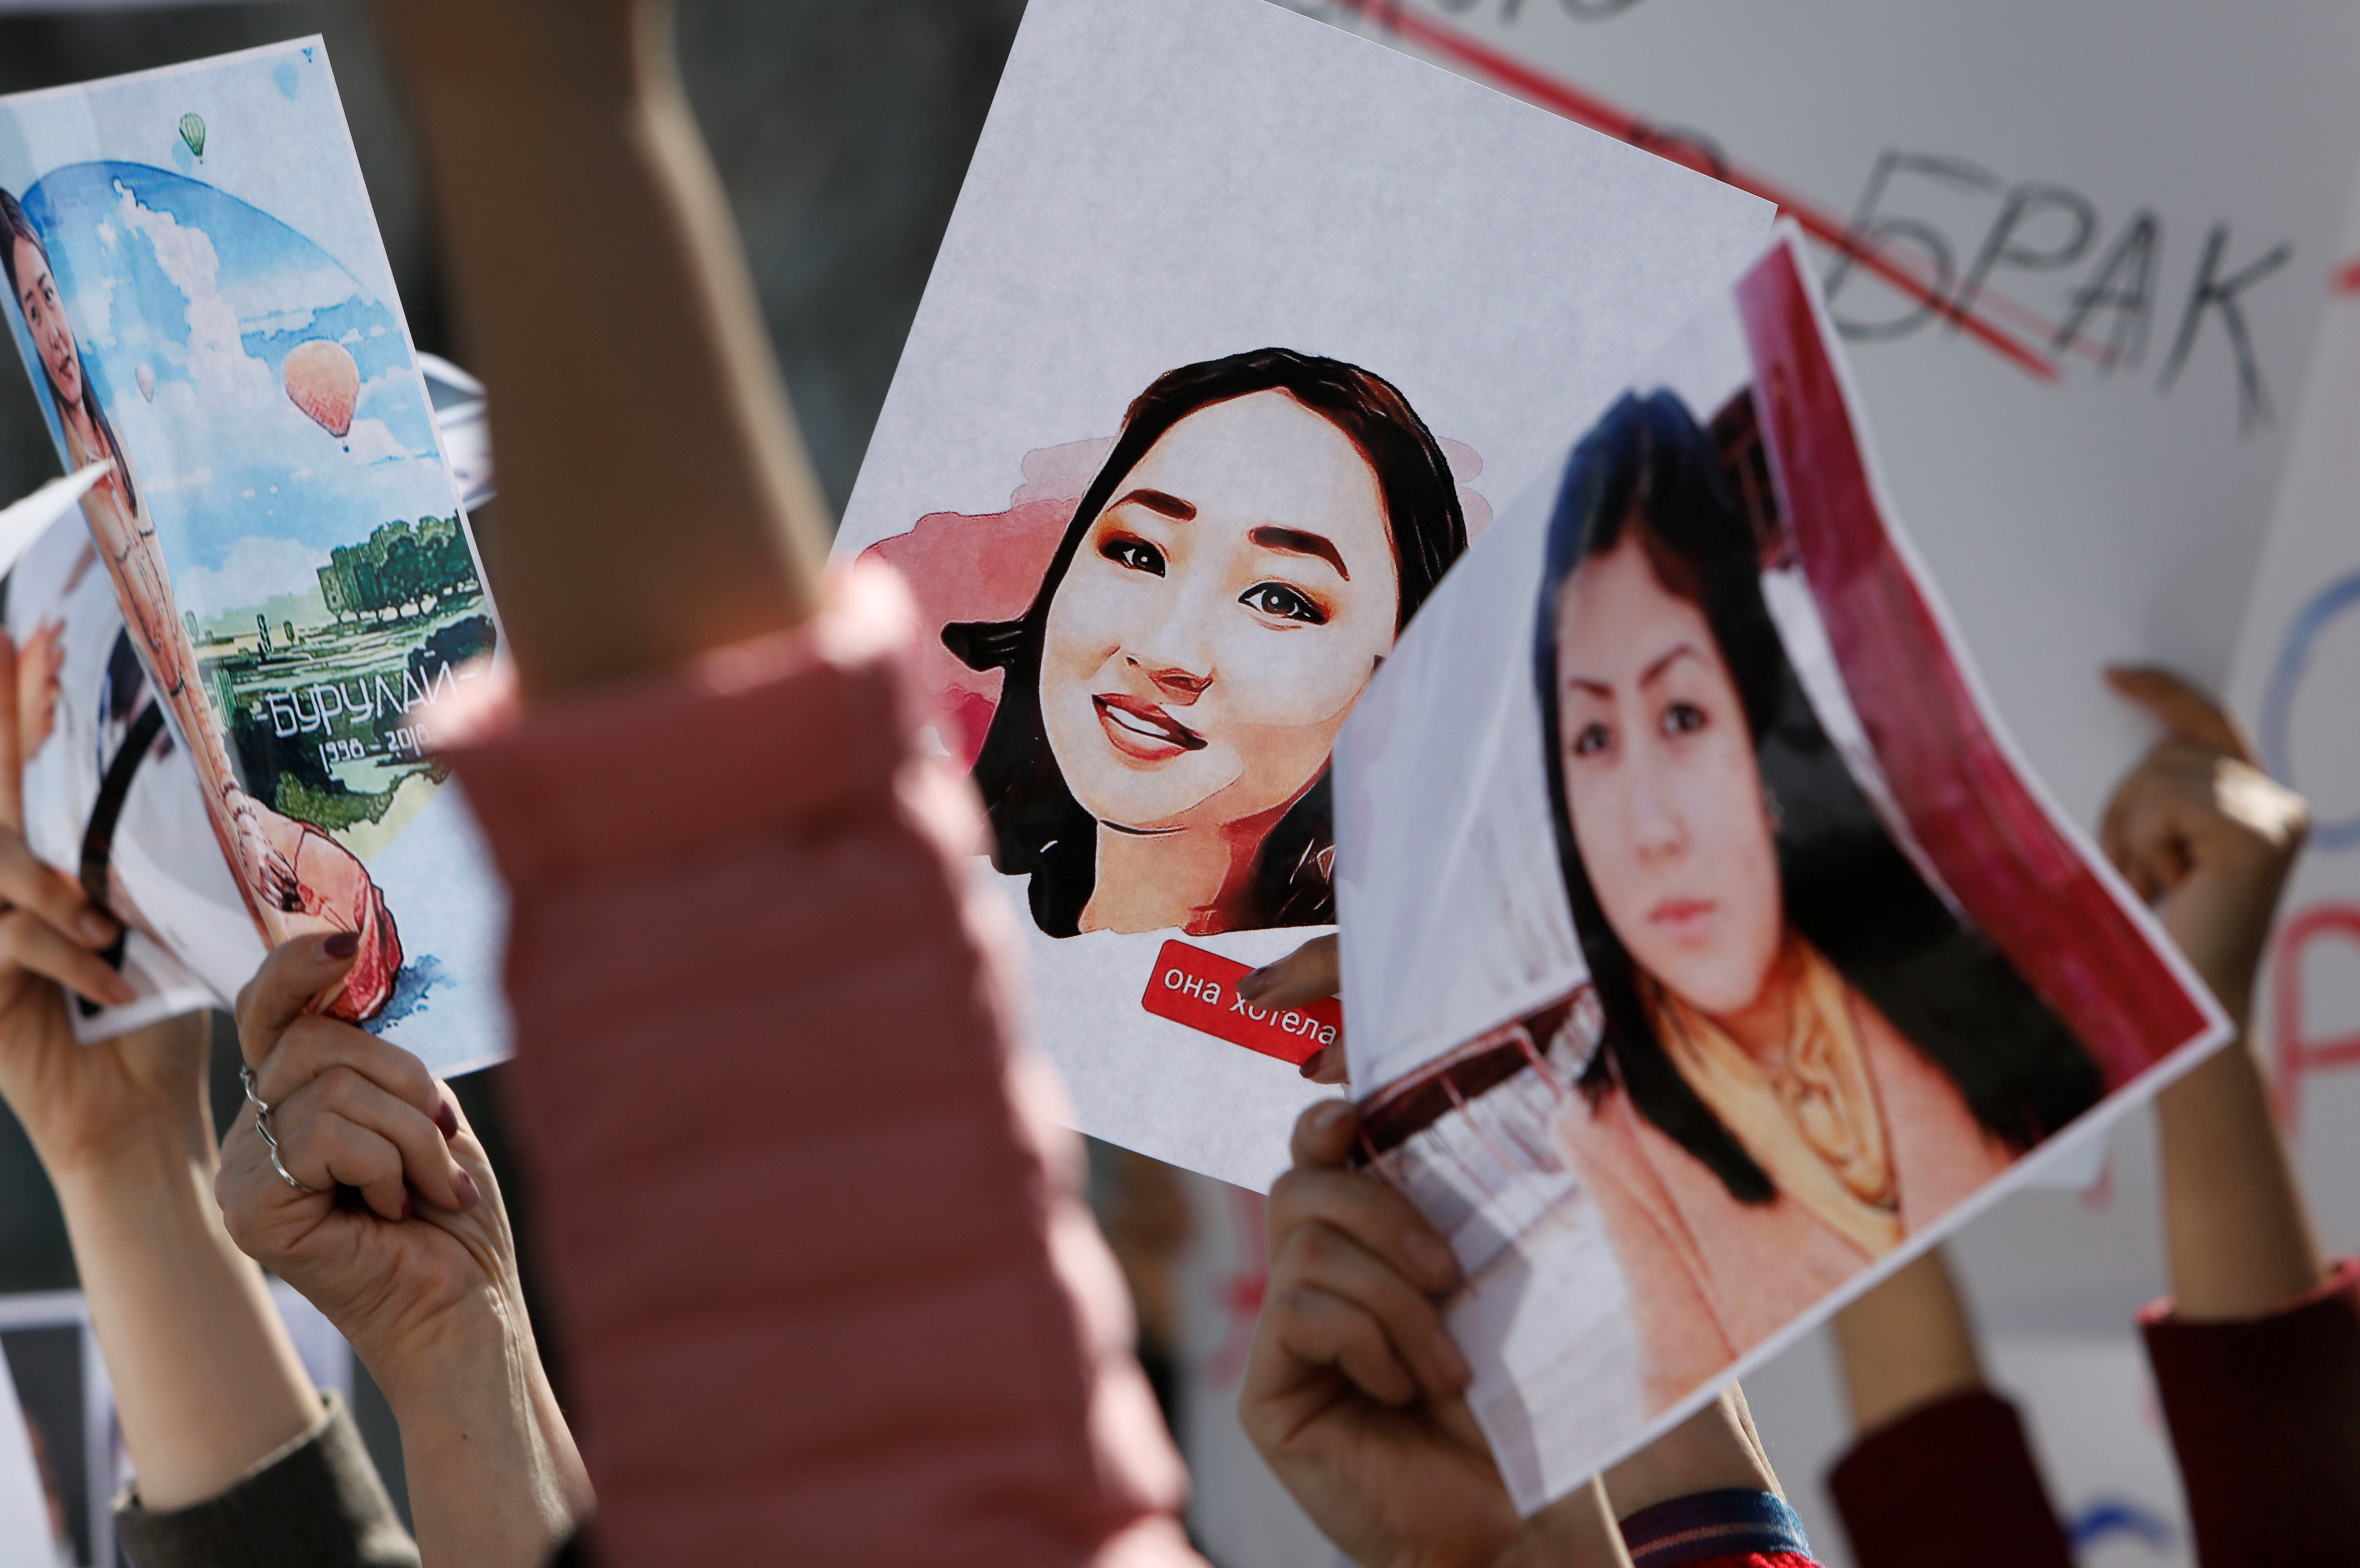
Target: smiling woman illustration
<point x="1807" y="1053"/>
<point x="1264" y="527"/>
<point x="296" y="878"/>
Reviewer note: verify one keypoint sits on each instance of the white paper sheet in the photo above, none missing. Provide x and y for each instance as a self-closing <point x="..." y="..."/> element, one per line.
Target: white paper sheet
<point x="1165" y="182"/>
<point x="1778" y="879"/>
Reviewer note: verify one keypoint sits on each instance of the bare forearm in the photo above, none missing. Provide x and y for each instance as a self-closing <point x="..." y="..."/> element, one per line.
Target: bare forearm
<point x="1715" y="1450"/>
<point x="2238" y="1230"/>
<point x="495" y="1481"/>
<point x="655" y="498"/>
<point x="206" y="1382"/>
<point x="1907" y="1344"/>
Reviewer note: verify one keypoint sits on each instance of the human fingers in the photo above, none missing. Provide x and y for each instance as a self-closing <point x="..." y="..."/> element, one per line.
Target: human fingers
<point x="1373" y="1214"/>
<point x="312" y="1045"/>
<point x="1310" y="973"/>
<point x="2182" y="708"/>
<point x="289" y="985"/>
<point x="341" y="1129"/>
<point x="12" y="759"/>
<point x="1323" y="1135"/>
<point x="28" y="942"/>
<point x="2141" y="833"/>
<point x="1307" y="1330"/>
<point x="28" y="884"/>
<point x="1330" y="1264"/>
<point x="1327" y="1064"/>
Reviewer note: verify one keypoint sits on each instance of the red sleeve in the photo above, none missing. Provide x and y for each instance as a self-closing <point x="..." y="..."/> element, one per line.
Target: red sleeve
<point x="2265" y="1415"/>
<point x="1949" y="1484"/>
<point x="826" y="1281"/>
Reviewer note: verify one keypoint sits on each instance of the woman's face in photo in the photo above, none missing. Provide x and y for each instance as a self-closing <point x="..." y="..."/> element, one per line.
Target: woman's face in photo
<point x="45" y="316"/>
<point x="1218" y="620"/>
<point x="1661" y="785"/>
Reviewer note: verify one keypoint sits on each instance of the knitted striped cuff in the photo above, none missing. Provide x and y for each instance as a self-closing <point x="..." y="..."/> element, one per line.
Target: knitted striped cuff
<point x="1735" y="1523"/>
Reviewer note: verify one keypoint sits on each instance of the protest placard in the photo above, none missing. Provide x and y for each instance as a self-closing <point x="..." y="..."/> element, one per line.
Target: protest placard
<point x="203" y="302"/>
<point x="1708" y="950"/>
<point x="1238" y="325"/>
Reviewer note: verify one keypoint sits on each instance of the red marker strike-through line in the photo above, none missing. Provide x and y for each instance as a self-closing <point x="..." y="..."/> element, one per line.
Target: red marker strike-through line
<point x="1506" y="71"/>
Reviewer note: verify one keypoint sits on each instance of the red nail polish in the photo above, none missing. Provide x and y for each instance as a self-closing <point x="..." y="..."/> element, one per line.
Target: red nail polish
<point x="340" y="944"/>
<point x="469" y="1193"/>
<point x="447" y="1118"/>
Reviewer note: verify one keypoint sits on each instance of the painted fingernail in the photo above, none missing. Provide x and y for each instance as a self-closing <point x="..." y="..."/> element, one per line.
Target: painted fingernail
<point x="1253" y="982"/>
<point x="446" y="1117"/>
<point x="1430" y="1257"/>
<point x="1314" y="1062"/>
<point x="465" y="1185"/>
<point x="337" y="946"/>
<point x="96" y="928"/>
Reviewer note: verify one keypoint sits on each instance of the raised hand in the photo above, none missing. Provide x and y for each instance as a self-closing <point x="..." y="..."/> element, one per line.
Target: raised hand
<point x="79" y="1106"/>
<point x="1353" y="1391"/>
<point x="2199" y="827"/>
<point x="378" y="1205"/>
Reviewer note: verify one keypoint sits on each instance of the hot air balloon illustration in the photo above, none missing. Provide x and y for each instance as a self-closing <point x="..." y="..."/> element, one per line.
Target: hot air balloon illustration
<point x="323" y="380"/>
<point x="145" y="376"/>
<point x="193" y="131"/>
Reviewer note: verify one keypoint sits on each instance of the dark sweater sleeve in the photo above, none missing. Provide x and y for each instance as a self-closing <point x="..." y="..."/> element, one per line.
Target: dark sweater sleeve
<point x="1949" y="1484"/>
<point x="2265" y="1416"/>
<point x="317" y="1503"/>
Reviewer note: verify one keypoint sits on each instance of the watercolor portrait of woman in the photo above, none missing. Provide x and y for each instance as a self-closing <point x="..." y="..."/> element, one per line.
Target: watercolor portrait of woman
<point x="1263" y="529"/>
<point x="296" y="878"/>
<point x="1806" y="1052"/>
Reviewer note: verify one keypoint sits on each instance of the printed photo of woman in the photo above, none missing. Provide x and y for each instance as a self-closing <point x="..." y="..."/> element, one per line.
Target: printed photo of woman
<point x="1806" y="1053"/>
<point x="296" y="878"/>
<point x="1264" y="527"/>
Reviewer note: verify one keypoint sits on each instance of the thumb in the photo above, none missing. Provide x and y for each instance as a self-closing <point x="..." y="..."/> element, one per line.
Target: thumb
<point x="293" y="981"/>
<point x="2182" y="708"/>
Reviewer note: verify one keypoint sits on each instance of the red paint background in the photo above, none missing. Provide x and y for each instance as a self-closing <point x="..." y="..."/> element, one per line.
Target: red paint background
<point x="2018" y="876"/>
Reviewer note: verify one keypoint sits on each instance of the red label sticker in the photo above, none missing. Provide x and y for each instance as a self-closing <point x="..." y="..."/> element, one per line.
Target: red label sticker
<point x="1199" y="989"/>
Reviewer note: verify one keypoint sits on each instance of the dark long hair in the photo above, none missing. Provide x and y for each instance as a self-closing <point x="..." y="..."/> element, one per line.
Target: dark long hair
<point x="14" y="226"/>
<point x="1648" y="469"/>
<point x="1039" y="829"/>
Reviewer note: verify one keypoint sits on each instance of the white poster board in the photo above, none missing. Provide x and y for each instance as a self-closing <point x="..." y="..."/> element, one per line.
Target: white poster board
<point x="2297" y="668"/>
<point x="1968" y="144"/>
<point x="1171" y="184"/>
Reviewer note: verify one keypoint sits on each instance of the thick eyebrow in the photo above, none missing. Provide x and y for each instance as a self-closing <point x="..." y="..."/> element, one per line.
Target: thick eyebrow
<point x="1294" y="541"/>
<point x="1647" y="676"/>
<point x="1171" y="506"/>
<point x="1654" y="672"/>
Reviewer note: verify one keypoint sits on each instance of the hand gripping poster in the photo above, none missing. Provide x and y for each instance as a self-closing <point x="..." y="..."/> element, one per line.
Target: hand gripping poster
<point x="198" y="290"/>
<point x="1238" y="327"/>
<point x="1708" y="950"/>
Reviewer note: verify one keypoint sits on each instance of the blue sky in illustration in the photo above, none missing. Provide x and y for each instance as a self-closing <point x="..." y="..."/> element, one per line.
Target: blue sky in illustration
<point x="212" y="294"/>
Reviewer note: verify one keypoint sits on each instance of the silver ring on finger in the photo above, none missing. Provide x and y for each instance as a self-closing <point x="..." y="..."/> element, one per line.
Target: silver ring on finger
<point x="270" y="1140"/>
